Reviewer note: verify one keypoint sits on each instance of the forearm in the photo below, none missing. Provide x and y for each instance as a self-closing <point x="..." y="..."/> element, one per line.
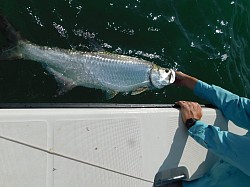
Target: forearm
<point x="185" y="80"/>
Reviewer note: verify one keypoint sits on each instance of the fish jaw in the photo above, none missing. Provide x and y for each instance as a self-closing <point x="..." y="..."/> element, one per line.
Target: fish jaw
<point x="161" y="77"/>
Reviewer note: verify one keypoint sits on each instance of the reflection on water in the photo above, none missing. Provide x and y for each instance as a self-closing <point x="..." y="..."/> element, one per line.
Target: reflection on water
<point x="207" y="39"/>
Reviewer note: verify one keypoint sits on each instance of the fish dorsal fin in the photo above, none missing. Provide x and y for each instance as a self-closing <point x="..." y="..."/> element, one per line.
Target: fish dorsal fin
<point x="139" y="91"/>
<point x="65" y="84"/>
<point x="110" y="94"/>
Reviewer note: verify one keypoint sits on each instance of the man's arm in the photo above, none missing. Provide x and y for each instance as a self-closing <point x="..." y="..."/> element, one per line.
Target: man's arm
<point x="233" y="107"/>
<point x="231" y="147"/>
<point x="183" y="79"/>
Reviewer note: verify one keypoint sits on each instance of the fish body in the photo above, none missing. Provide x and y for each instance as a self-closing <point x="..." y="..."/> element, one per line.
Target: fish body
<point x="112" y="73"/>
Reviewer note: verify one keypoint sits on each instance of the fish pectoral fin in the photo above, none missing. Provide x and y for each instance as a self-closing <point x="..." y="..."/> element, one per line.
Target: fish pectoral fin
<point x="110" y="94"/>
<point x="65" y="84"/>
<point x="64" y="87"/>
<point x="139" y="91"/>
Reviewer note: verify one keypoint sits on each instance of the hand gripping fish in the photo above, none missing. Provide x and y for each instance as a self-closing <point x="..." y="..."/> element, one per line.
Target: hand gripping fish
<point x="109" y="72"/>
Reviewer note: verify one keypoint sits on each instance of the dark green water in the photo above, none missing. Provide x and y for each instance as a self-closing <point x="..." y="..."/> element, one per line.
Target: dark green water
<point x="204" y="38"/>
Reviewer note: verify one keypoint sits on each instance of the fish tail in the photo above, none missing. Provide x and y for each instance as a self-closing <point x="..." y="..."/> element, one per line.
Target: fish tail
<point x="12" y="36"/>
<point x="10" y="54"/>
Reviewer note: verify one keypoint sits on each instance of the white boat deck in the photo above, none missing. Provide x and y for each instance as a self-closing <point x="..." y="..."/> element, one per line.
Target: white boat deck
<point x="106" y="147"/>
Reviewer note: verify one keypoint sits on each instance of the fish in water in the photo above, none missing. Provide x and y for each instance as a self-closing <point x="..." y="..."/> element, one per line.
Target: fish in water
<point x="109" y="72"/>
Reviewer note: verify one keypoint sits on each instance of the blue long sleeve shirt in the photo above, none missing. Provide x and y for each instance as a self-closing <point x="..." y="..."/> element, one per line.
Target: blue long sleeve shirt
<point x="233" y="169"/>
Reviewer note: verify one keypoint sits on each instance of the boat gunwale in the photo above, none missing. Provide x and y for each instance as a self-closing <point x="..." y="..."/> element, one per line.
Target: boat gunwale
<point x="88" y="105"/>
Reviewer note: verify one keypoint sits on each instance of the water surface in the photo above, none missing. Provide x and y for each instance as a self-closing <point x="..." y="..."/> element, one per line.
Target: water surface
<point x="206" y="38"/>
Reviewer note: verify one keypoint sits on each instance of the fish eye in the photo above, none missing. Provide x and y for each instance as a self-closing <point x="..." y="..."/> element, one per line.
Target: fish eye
<point x="166" y="70"/>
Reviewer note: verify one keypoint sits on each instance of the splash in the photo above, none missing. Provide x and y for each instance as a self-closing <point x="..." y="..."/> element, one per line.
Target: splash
<point x="34" y="16"/>
<point x="63" y="32"/>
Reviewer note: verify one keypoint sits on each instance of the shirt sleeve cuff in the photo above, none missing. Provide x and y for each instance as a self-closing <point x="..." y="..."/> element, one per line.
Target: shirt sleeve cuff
<point x="200" y="87"/>
<point x="197" y="132"/>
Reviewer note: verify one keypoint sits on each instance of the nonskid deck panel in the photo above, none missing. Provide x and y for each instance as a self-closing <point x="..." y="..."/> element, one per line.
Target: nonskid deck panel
<point x="100" y="146"/>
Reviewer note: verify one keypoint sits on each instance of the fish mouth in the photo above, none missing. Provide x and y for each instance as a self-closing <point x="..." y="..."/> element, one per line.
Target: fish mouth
<point x="160" y="77"/>
<point x="171" y="76"/>
<point x="168" y="77"/>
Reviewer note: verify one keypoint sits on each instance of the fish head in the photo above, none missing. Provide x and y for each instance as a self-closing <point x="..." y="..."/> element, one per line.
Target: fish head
<point x="161" y="77"/>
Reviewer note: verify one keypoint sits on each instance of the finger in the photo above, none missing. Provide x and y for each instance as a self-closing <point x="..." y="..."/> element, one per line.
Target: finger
<point x="195" y="105"/>
<point x="180" y="103"/>
<point x="191" y="106"/>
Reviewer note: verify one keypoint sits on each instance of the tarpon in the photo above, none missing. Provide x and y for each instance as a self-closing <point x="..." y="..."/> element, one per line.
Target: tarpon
<point x="109" y="72"/>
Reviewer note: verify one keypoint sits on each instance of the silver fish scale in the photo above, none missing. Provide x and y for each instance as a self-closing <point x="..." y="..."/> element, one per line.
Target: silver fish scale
<point x="121" y="75"/>
<point x="95" y="70"/>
